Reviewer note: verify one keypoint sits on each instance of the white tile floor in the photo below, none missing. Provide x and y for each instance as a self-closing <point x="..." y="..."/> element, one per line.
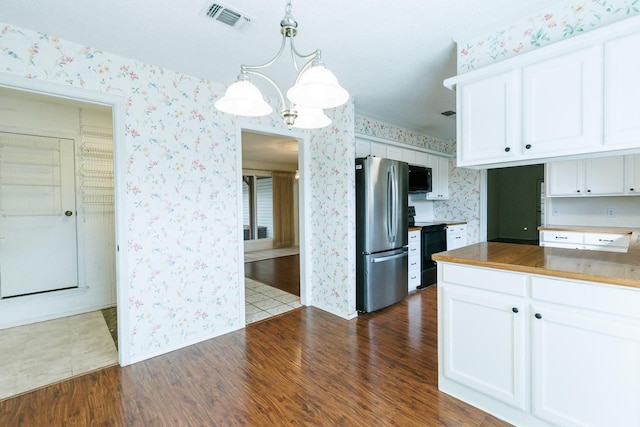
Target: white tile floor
<point x="47" y="352"/>
<point x="263" y="301"/>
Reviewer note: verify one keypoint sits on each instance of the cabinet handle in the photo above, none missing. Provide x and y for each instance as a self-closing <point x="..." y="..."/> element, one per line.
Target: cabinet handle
<point x="577" y="191"/>
<point x="538" y="316"/>
<point x="631" y="189"/>
<point x="561" y="237"/>
<point x="507" y="149"/>
<point x="515" y="309"/>
<point x="588" y="191"/>
<point x="528" y="146"/>
<point x="605" y="240"/>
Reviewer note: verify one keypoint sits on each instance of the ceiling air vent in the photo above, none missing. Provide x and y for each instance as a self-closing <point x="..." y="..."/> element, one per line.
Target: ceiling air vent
<point x="222" y="13"/>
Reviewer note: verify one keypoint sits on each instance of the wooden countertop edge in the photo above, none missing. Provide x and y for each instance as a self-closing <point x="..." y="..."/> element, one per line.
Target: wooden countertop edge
<point x="541" y="271"/>
<point x="604" y="230"/>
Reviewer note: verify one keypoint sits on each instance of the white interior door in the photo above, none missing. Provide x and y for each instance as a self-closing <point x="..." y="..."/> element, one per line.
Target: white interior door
<point x="38" y="235"/>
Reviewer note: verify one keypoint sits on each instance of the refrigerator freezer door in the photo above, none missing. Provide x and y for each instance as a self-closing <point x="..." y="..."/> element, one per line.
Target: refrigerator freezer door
<point x="381" y="211"/>
<point x="385" y="280"/>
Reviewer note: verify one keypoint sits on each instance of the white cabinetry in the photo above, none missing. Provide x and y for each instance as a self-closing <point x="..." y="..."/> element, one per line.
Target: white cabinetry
<point x="484" y="342"/>
<point x="440" y="177"/>
<point x="585" y="240"/>
<point x="632" y="172"/>
<point x="456" y="236"/>
<point x="622" y="91"/>
<point x="561" y="103"/>
<point x="600" y="176"/>
<point x="583" y="357"/>
<point x="572" y="98"/>
<point x="415" y="259"/>
<point x="488" y="119"/>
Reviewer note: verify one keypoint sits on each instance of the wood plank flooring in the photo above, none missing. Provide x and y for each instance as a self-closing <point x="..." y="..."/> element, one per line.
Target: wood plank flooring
<point x="306" y="367"/>
<point x="282" y="273"/>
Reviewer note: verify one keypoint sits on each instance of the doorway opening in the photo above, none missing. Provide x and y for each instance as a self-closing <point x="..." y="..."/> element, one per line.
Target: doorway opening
<point x="515" y="203"/>
<point x="270" y="217"/>
<point x="57" y="248"/>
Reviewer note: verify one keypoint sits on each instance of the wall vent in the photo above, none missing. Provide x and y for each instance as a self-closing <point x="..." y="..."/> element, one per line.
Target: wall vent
<point x="225" y="15"/>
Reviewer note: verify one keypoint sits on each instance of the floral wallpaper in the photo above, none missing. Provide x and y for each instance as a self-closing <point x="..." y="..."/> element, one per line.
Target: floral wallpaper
<point x="180" y="194"/>
<point x="560" y="21"/>
<point x="464" y="184"/>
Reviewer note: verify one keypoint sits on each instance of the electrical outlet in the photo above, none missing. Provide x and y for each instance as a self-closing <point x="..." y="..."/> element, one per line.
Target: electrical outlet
<point x="611" y="213"/>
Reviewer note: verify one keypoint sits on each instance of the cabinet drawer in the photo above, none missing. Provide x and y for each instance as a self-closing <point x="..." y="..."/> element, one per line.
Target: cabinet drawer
<point x="484" y="278"/>
<point x="414" y="236"/>
<point x="606" y="239"/>
<point x="553" y="236"/>
<point x="618" y="300"/>
<point x="414" y="263"/>
<point x="461" y="228"/>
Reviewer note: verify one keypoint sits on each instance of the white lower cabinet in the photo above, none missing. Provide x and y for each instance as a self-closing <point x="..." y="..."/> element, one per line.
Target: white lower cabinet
<point x="539" y="351"/>
<point x="585" y="368"/>
<point x="415" y="257"/>
<point x="484" y="342"/>
<point x="456" y="236"/>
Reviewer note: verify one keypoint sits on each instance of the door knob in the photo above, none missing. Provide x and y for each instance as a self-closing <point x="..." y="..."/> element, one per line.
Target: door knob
<point x="68" y="213"/>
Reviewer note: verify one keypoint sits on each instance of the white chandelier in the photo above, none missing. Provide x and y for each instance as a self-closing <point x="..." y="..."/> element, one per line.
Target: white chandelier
<point x="315" y="88"/>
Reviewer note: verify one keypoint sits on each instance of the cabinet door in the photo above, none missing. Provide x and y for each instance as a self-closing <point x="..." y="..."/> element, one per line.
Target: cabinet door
<point x="378" y="150"/>
<point x="632" y="170"/>
<point x="562" y="104"/>
<point x="489" y="119"/>
<point x="604" y="175"/>
<point x="622" y="91"/>
<point x="440" y="175"/>
<point x="585" y="369"/>
<point x="484" y="342"/>
<point x="394" y="153"/>
<point x="363" y="148"/>
<point x="564" y="178"/>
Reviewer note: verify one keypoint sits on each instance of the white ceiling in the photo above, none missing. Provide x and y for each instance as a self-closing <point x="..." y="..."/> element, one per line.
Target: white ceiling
<point x="391" y="56"/>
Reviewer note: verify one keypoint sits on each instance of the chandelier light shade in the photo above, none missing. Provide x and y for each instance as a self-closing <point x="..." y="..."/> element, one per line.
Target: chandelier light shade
<point x="243" y="99"/>
<point x="318" y="88"/>
<point x="311" y="118"/>
<point x="315" y="87"/>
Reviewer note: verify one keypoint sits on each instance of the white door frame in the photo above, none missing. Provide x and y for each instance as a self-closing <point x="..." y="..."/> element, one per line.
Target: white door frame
<point x="117" y="104"/>
<point x="303" y="206"/>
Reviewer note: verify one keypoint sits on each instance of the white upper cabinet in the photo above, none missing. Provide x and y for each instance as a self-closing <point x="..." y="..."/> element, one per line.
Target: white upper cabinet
<point x="622" y="91"/>
<point x="562" y="103"/>
<point x="632" y="179"/>
<point x="439" y="177"/>
<point x="601" y="176"/>
<point x="576" y="97"/>
<point x="488" y="119"/>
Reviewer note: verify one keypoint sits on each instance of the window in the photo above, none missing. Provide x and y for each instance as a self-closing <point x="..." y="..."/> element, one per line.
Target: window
<point x="257" y="207"/>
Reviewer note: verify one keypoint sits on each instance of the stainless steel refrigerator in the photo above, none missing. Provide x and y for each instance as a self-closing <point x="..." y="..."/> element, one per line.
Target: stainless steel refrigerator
<point x="381" y="232"/>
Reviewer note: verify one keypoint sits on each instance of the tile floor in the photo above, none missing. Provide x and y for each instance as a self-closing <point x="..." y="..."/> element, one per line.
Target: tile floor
<point x="263" y="301"/>
<point x="43" y="353"/>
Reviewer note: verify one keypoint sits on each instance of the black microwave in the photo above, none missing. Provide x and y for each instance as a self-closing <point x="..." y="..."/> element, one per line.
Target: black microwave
<point x="419" y="179"/>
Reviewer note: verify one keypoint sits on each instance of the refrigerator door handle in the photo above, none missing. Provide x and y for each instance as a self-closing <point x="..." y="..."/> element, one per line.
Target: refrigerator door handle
<point x="389" y="204"/>
<point x="395" y="202"/>
<point x="389" y="258"/>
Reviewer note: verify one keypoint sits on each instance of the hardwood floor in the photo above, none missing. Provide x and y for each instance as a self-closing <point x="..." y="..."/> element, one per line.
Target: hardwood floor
<point x="282" y="273"/>
<point x="306" y="367"/>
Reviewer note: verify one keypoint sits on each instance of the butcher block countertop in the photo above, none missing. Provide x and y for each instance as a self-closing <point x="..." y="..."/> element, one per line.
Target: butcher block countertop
<point x="594" y="266"/>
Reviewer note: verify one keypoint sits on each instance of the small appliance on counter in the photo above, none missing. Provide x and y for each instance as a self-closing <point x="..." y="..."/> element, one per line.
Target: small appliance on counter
<point x="381" y="233"/>
<point x="411" y="212"/>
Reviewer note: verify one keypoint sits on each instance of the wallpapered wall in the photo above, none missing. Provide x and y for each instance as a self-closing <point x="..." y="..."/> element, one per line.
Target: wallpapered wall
<point x="464" y="184"/>
<point x="557" y="22"/>
<point x="180" y="201"/>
